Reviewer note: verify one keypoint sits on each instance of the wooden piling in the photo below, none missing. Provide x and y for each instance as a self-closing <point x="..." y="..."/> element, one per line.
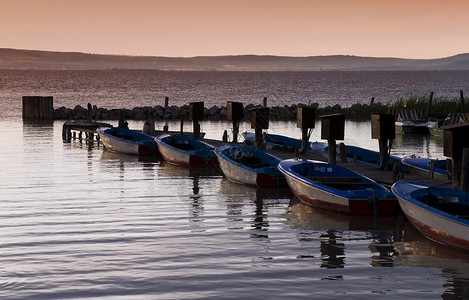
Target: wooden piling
<point x="429" y="106"/>
<point x="464" y="184"/>
<point x="38" y="108"/>
<point x="461" y="99"/>
<point x="89" y="113"/>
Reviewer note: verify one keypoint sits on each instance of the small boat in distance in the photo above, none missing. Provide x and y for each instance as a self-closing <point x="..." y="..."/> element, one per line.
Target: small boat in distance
<point x="127" y="141"/>
<point x="186" y="150"/>
<point x="411" y="121"/>
<point x="337" y="188"/>
<point x="251" y="166"/>
<point x="440" y="214"/>
<point x="421" y="166"/>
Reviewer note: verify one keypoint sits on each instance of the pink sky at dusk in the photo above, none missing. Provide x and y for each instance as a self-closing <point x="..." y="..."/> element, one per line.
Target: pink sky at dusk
<point x="378" y="28"/>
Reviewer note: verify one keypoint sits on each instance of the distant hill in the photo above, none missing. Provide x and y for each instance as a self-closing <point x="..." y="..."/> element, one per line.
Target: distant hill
<point x="48" y="60"/>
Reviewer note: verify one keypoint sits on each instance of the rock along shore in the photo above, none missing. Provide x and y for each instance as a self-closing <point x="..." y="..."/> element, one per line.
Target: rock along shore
<point x="277" y="113"/>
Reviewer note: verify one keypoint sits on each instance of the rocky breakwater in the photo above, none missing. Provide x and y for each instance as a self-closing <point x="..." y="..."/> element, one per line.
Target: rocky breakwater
<point x="277" y="113"/>
<point x="171" y="112"/>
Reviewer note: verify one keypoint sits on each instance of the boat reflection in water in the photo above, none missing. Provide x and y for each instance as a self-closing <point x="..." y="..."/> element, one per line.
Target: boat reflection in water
<point x="341" y="235"/>
<point x="415" y="250"/>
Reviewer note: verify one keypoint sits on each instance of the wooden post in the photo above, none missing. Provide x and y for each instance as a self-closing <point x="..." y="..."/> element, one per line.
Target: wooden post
<point x="89" y="113"/>
<point x="332" y="151"/>
<point x="196" y="113"/>
<point x="429" y="106"/>
<point x="431" y="170"/>
<point x="454" y="175"/>
<point x="181" y="126"/>
<point x="235" y="113"/>
<point x="461" y="99"/>
<point x="342" y="152"/>
<point x="305" y="119"/>
<point x="449" y="169"/>
<point x="121" y="119"/>
<point x="464" y="184"/>
<point x="259" y="121"/>
<point x="38" y="108"/>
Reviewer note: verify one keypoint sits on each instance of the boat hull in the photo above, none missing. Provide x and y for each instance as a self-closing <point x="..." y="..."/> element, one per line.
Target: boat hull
<point x="356" y="202"/>
<point x="201" y="156"/>
<point x="266" y="176"/>
<point x="421" y="167"/>
<point x="433" y="223"/>
<point x="322" y="199"/>
<point x="144" y="146"/>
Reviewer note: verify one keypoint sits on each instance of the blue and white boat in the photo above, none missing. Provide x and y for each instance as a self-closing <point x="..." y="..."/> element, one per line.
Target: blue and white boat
<point x="251" y="166"/>
<point x="128" y="141"/>
<point x="358" y="154"/>
<point x="186" y="150"/>
<point x="441" y="214"/>
<point x="277" y="141"/>
<point x="421" y="166"/>
<point x="336" y="188"/>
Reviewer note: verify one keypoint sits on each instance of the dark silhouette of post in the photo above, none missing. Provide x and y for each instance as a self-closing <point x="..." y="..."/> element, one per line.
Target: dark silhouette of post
<point x="332" y="129"/>
<point x="38" y="108"/>
<point x="196" y="114"/>
<point x="305" y="119"/>
<point x="235" y="113"/>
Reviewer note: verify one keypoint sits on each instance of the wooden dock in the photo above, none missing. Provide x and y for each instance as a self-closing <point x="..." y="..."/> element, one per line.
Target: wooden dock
<point x="87" y="131"/>
<point x="77" y="128"/>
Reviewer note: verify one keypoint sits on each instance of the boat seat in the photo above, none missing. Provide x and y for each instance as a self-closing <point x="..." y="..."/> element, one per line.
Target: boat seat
<point x="186" y="147"/>
<point x="460" y="210"/>
<point x="335" y="179"/>
<point x="257" y="166"/>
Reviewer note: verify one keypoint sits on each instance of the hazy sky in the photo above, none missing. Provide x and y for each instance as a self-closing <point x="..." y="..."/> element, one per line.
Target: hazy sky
<point x="381" y="28"/>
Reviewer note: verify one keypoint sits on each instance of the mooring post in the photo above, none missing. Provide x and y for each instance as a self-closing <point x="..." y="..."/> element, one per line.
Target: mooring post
<point x="461" y="99"/>
<point x="305" y="119"/>
<point x="342" y="152"/>
<point x="196" y="114"/>
<point x="464" y="185"/>
<point x="89" y="113"/>
<point x="431" y="171"/>
<point x="449" y="169"/>
<point x="235" y="113"/>
<point x="429" y="106"/>
<point x="332" y="151"/>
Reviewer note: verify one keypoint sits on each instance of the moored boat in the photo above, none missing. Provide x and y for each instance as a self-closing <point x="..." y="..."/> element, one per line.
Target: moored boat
<point x="128" y="141"/>
<point x="411" y="121"/>
<point x="277" y="141"/>
<point x="337" y="188"/>
<point x="358" y="154"/>
<point x="251" y="166"/>
<point x="441" y="214"/>
<point x="186" y="150"/>
<point x="421" y="166"/>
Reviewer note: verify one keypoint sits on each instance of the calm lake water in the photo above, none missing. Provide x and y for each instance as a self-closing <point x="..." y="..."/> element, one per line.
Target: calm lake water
<point x="82" y="222"/>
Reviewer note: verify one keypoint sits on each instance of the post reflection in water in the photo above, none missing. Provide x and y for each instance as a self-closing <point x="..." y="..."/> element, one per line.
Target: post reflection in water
<point x="340" y="235"/>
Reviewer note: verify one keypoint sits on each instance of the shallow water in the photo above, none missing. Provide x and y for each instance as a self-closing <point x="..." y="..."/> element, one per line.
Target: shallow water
<point x="82" y="222"/>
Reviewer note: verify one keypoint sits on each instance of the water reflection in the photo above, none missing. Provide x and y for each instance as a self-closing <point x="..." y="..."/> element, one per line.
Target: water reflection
<point x="415" y="250"/>
<point x="337" y="234"/>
